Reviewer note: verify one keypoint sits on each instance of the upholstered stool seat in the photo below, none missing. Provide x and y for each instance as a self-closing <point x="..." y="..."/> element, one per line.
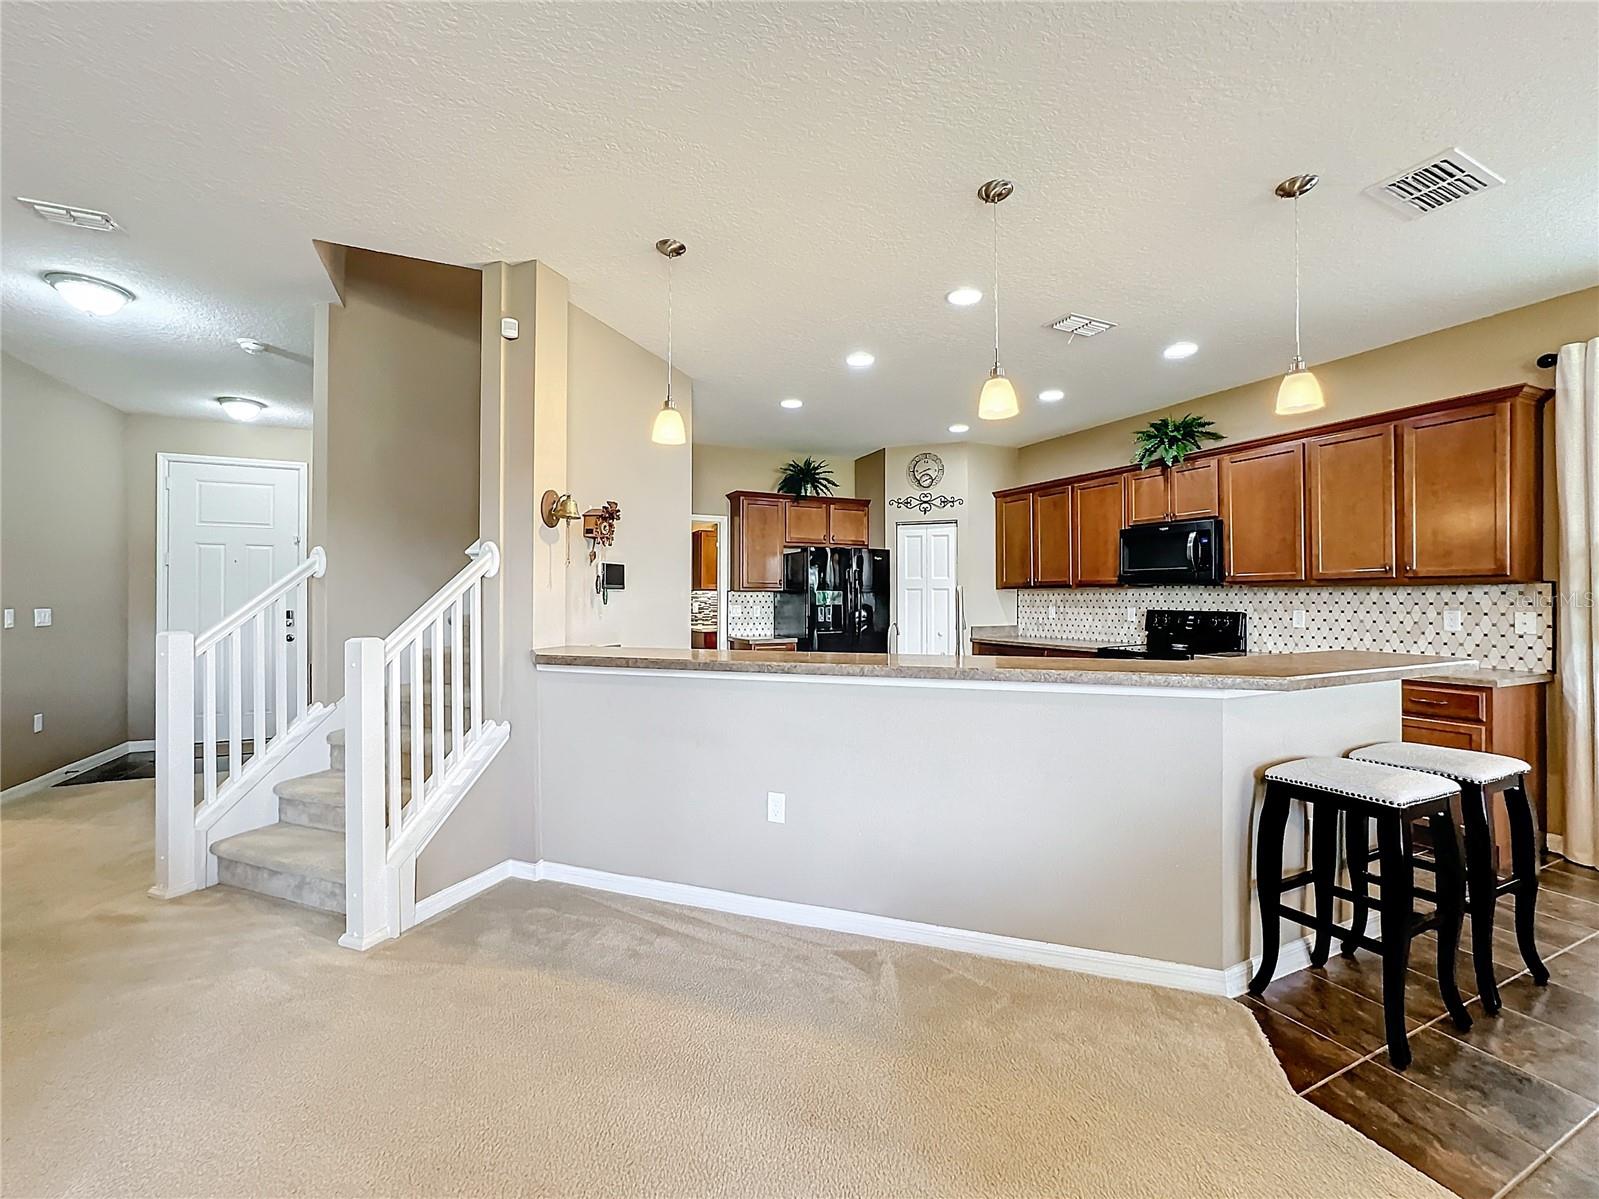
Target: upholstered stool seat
<point x="1355" y="792"/>
<point x="1481" y="777"/>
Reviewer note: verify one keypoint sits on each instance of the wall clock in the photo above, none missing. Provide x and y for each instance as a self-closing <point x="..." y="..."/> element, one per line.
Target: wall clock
<point x="925" y="471"/>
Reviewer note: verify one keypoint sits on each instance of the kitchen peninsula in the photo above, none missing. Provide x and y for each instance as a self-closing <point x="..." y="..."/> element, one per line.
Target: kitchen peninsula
<point x="1095" y="814"/>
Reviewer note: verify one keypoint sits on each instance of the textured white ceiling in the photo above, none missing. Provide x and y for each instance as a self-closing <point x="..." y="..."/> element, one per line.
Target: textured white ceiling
<point x="820" y="161"/>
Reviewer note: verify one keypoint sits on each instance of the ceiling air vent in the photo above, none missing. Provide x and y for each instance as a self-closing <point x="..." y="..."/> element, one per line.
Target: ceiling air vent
<point x="1079" y="325"/>
<point x="1443" y="179"/>
<point x="68" y="214"/>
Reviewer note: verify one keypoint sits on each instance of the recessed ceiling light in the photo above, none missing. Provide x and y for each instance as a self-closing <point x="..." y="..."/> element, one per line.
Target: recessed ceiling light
<point x="861" y="359"/>
<point x="791" y="402"/>
<point x="240" y="408"/>
<point x="1051" y="395"/>
<point x="1180" y="349"/>
<point x="93" y="296"/>
<point x="964" y="297"/>
<point x="960" y="428"/>
<point x="251" y="346"/>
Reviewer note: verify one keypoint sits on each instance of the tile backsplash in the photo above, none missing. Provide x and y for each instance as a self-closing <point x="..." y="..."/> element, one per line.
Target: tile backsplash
<point x="1410" y="619"/>
<point x="751" y="613"/>
<point x="702" y="609"/>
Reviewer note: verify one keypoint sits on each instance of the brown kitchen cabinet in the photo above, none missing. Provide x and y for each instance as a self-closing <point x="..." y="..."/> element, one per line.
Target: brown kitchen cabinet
<point x="1496" y="720"/>
<point x="1009" y="649"/>
<point x="702" y="639"/>
<point x="1148" y="495"/>
<point x="1263" y="513"/>
<point x="759" y="531"/>
<point x="807" y="522"/>
<point x="1097" y="509"/>
<point x="1013" y="540"/>
<point x="1349" y="503"/>
<point x="1185" y="492"/>
<point x="1052" y="536"/>
<point x="849" y="522"/>
<point x="703" y="568"/>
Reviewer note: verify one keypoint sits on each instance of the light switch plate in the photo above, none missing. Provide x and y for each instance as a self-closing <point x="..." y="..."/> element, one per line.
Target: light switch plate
<point x="776" y="807"/>
<point x="41" y="618"/>
<point x="1453" y="621"/>
<point x="1526" y="622"/>
<point x="11" y="618"/>
<point x="38" y="722"/>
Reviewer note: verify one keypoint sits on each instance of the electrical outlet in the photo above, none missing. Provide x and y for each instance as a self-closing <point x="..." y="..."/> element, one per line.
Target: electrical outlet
<point x="38" y="722"/>
<point x="776" y="807"/>
<point x="1132" y="615"/>
<point x="1052" y="611"/>
<point x="1453" y="620"/>
<point x="1301" y="618"/>
<point x="1526" y="622"/>
<point x="11" y="618"/>
<point x="41" y="618"/>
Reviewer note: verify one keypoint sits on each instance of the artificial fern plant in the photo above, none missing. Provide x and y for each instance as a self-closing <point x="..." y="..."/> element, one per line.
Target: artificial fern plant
<point x="806" y="476"/>
<point x="1170" y="439"/>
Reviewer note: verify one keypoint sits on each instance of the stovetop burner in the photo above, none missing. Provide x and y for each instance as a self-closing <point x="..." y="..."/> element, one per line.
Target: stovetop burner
<point x="1173" y="635"/>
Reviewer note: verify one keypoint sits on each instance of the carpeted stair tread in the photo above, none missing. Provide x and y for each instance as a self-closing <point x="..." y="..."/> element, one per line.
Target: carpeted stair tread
<point x="288" y="848"/>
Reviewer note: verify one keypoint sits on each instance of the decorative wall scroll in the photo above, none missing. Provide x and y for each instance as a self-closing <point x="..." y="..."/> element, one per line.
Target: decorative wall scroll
<point x="926" y="502"/>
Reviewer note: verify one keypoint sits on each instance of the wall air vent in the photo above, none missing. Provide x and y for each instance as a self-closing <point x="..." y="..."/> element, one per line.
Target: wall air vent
<point x="1442" y="180"/>
<point x="68" y="214"/>
<point x="1079" y="325"/>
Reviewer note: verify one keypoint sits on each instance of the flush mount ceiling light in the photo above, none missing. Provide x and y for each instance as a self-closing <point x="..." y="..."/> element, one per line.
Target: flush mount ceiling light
<point x="997" y="400"/>
<point x="964" y="297"/>
<point x="668" y="428"/>
<point x="960" y="428"/>
<point x="1052" y="395"/>
<point x="1178" y="350"/>
<point x="1299" y="391"/>
<point x="251" y="346"/>
<point x="241" y="409"/>
<point x="791" y="402"/>
<point x="87" y="294"/>
<point x="860" y="359"/>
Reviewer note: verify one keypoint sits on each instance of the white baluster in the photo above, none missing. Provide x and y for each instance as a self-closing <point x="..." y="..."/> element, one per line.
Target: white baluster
<point x="235" y="704"/>
<point x="174" y="765"/>
<point x="418" y="792"/>
<point x="436" y="694"/>
<point x="302" y="643"/>
<point x="280" y="668"/>
<point x="208" y="722"/>
<point x="369" y="908"/>
<point x="457" y="699"/>
<point x="259" y="686"/>
<point x="394" y="783"/>
<point x="476" y="591"/>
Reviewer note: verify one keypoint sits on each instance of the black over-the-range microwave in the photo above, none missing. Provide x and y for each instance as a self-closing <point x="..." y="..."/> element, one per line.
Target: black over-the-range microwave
<point x="1175" y="551"/>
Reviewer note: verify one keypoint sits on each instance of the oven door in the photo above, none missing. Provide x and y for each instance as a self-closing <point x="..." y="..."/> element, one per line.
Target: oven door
<point x="1179" y="551"/>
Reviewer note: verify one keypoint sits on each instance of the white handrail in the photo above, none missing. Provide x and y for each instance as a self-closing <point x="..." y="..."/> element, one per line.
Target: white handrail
<point x="485" y="564"/>
<point x="314" y="567"/>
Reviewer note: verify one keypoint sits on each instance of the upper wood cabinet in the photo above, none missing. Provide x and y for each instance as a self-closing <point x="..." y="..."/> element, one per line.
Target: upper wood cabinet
<point x="1469" y="500"/>
<point x="1097" y="510"/>
<point x="849" y="522"/>
<point x="1263" y="513"/>
<point x="807" y="522"/>
<point x="1013" y="540"/>
<point x="1349" y="502"/>
<point x="1052" y="536"/>
<point x="1194" y="489"/>
<point x="1148" y="495"/>
<point x="759" y="531"/>
<point x="704" y="560"/>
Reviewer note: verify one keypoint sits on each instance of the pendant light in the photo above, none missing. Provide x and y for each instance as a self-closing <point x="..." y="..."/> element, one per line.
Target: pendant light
<point x="668" y="428"/>
<point x="998" y="398"/>
<point x="1299" y="391"/>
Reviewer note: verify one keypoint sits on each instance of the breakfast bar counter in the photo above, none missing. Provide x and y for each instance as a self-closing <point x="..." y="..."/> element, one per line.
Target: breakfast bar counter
<point x="1091" y="814"/>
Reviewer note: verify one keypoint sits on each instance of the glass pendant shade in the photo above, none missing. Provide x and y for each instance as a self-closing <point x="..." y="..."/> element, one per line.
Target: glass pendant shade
<point x="998" y="400"/>
<point x="1299" y="391"/>
<point x="668" y="428"/>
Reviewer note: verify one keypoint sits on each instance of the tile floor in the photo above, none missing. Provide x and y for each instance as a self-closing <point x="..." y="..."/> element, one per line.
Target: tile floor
<point x="1505" y="1109"/>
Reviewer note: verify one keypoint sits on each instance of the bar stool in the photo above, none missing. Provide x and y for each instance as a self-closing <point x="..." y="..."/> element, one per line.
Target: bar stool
<point x="1394" y="798"/>
<point x="1481" y="776"/>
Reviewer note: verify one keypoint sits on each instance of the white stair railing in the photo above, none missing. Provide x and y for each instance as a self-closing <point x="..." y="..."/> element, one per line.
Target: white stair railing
<point x="414" y="744"/>
<point x="231" y="662"/>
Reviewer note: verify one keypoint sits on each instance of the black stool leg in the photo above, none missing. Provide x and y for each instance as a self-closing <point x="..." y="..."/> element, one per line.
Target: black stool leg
<point x="1357" y="851"/>
<point x="1524" y="865"/>
<point x="1324" y="870"/>
<point x="1483" y="885"/>
<point x="1451" y="901"/>
<point x="1397" y="911"/>
<point x="1268" y="881"/>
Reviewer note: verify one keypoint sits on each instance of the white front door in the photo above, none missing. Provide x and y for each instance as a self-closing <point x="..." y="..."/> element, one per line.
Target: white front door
<point x="926" y="586"/>
<point x="232" y="527"/>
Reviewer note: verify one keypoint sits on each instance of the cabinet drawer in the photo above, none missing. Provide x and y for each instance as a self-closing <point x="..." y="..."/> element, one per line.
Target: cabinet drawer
<point x="1445" y="703"/>
<point x="1452" y="734"/>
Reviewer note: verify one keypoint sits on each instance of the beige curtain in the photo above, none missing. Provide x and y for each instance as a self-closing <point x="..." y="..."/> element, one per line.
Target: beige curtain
<point x="1576" y="667"/>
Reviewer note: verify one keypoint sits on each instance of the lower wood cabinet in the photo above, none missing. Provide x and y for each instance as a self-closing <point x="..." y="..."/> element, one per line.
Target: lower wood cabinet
<point x="1096" y="524"/>
<point x="1052" y="536"/>
<point x="1263" y="513"/>
<point x="1349" y="500"/>
<point x="1013" y="540"/>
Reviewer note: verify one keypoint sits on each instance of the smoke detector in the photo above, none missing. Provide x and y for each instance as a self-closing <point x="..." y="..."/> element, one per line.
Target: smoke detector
<point x="70" y="214"/>
<point x="1078" y="325"/>
<point x="1445" y="178"/>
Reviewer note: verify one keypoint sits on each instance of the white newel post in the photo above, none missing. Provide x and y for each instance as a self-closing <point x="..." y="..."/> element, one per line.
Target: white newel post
<point x="174" y="765"/>
<point x="368" y="907"/>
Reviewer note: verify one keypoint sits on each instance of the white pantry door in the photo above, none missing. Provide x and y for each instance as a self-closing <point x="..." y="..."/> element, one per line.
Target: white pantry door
<point x="926" y="586"/>
<point x="232" y="528"/>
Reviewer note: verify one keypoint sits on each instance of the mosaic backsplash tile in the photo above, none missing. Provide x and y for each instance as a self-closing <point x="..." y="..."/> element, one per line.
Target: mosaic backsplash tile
<point x="751" y="613"/>
<point x="1409" y="620"/>
<point x="702" y="609"/>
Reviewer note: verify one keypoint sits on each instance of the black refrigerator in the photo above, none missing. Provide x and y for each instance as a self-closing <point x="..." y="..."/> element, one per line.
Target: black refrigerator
<point x="835" y="600"/>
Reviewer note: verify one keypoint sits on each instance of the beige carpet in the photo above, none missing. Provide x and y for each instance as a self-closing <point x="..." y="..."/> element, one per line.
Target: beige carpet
<point x="544" y="1040"/>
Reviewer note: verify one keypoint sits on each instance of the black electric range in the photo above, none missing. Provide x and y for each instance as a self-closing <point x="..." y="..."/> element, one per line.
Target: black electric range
<point x="1174" y="635"/>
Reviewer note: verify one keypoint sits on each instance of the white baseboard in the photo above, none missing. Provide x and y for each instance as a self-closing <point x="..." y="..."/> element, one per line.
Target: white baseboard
<point x="459" y="893"/>
<point x="71" y="768"/>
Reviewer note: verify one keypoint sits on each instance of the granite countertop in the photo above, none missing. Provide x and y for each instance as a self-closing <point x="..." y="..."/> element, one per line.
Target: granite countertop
<point x="1006" y="634"/>
<point x="1248" y="672"/>
<point x="1483" y="676"/>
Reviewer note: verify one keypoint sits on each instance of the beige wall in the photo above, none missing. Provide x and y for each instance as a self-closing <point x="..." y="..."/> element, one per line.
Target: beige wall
<point x="145" y="437"/>
<point x="1494" y="352"/>
<point x="869" y="482"/>
<point x="719" y="469"/>
<point x="61" y="547"/>
<point x="614" y="388"/>
<point x="395" y="475"/>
